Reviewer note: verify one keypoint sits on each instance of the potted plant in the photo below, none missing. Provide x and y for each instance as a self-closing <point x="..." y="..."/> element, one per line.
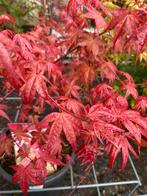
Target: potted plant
<point x="73" y="95"/>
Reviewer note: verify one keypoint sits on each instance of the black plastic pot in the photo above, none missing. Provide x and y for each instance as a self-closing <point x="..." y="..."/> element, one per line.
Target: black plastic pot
<point x="53" y="180"/>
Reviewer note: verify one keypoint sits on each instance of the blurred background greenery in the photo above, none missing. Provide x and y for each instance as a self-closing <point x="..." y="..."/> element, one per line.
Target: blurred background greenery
<point x="23" y="11"/>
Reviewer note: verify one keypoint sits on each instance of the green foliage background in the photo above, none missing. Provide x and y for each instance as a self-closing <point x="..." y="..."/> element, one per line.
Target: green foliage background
<point x="20" y="10"/>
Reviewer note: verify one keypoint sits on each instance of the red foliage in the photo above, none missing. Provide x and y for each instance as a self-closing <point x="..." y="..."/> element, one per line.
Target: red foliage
<point x="6" y="145"/>
<point x="6" y="17"/>
<point x="65" y="80"/>
<point x="2" y="113"/>
<point x="26" y="174"/>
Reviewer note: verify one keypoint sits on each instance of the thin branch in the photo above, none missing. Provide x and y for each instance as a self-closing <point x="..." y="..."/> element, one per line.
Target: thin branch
<point x="4" y="97"/>
<point x="67" y="53"/>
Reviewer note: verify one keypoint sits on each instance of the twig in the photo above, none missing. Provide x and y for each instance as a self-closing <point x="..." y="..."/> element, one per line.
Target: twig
<point x="3" y="98"/>
<point x="67" y="53"/>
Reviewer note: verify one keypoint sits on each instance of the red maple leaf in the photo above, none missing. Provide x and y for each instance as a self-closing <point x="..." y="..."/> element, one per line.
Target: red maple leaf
<point x="97" y="16"/>
<point x="47" y="157"/>
<point x="120" y="120"/>
<point x="36" y="83"/>
<point x="139" y="122"/>
<point x="93" y="44"/>
<point x="53" y="71"/>
<point x="88" y="153"/>
<point x="72" y="105"/>
<point x="123" y="146"/>
<point x="108" y="70"/>
<point x="60" y="122"/>
<point x="9" y="69"/>
<point x="41" y="164"/>
<point x="6" y="17"/>
<point x="27" y="174"/>
<point x="28" y="90"/>
<point x="128" y="27"/>
<point x="141" y="103"/>
<point x="70" y="88"/>
<point x="101" y="92"/>
<point x="128" y="85"/>
<point x="130" y="90"/>
<point x="20" y="130"/>
<point x="24" y="45"/>
<point x="86" y="73"/>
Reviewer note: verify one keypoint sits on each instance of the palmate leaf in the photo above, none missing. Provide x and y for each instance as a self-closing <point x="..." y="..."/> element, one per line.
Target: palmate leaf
<point x="88" y="153"/>
<point x="20" y="131"/>
<point x="137" y="42"/>
<point x="102" y="91"/>
<point x="53" y="71"/>
<point x="24" y="45"/>
<point x="133" y="129"/>
<point x="21" y="176"/>
<point x="129" y="85"/>
<point x="40" y="163"/>
<point x="60" y="122"/>
<point x="86" y="73"/>
<point x="120" y="120"/>
<point x="28" y="90"/>
<point x="123" y="146"/>
<point x="34" y="171"/>
<point x="36" y="83"/>
<point x="74" y="5"/>
<point x="141" y="103"/>
<point x="97" y="16"/>
<point x="130" y="29"/>
<point x="138" y="121"/>
<point x="47" y="157"/>
<point x="118" y="101"/>
<point x="72" y="105"/>
<point x="117" y="126"/>
<point x="108" y="70"/>
<point x="130" y="90"/>
<point x="92" y="44"/>
<point x="68" y="64"/>
<point x="6" y="62"/>
<point x="71" y="89"/>
<point x="105" y="131"/>
<point x="27" y="174"/>
<point x="41" y="86"/>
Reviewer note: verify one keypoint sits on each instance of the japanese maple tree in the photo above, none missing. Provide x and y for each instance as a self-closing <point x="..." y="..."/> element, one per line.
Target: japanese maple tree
<point x="67" y="63"/>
